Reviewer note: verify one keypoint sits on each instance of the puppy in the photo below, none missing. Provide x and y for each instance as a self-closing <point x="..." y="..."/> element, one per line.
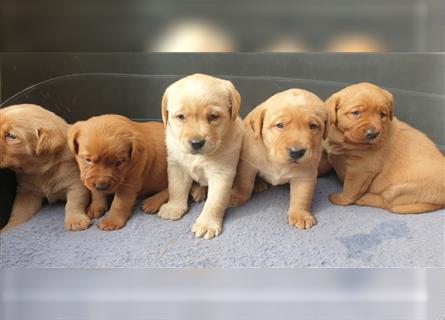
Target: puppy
<point x="383" y="161"/>
<point x="204" y="137"/>
<point x="121" y="157"/>
<point x="282" y="144"/>
<point x="33" y="144"/>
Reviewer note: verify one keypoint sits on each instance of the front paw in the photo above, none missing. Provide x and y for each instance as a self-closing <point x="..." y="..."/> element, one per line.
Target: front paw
<point x="96" y="210"/>
<point x="171" y="211"/>
<point x="110" y="223"/>
<point x="340" y="199"/>
<point x="207" y="228"/>
<point x="77" y="222"/>
<point x="301" y="219"/>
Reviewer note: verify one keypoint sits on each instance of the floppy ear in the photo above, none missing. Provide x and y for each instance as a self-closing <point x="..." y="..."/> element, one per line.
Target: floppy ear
<point x="325" y="129"/>
<point x="49" y="141"/>
<point x="390" y="97"/>
<point x="332" y="105"/>
<point x="234" y="101"/>
<point x="164" y="107"/>
<point x="256" y="120"/>
<point x="73" y="134"/>
<point x="135" y="150"/>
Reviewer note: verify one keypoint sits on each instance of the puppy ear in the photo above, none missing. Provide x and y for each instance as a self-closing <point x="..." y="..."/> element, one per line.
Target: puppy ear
<point x="256" y="121"/>
<point x="73" y="134"/>
<point x="390" y="98"/>
<point x="234" y="101"/>
<point x="49" y="141"/>
<point x="325" y="129"/>
<point x="332" y="105"/>
<point x="135" y="150"/>
<point x="164" y="107"/>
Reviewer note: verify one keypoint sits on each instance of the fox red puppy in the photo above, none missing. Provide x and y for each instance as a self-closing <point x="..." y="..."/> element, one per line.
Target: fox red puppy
<point x="382" y="161"/>
<point x="33" y="144"/>
<point x="121" y="157"/>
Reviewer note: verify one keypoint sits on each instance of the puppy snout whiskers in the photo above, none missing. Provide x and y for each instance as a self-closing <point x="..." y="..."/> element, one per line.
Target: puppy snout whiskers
<point x="372" y="134"/>
<point x="197" y="144"/>
<point x="296" y="153"/>
<point x="101" y="186"/>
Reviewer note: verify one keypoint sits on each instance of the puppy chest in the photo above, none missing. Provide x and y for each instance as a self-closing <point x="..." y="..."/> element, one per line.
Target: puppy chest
<point x="198" y="174"/>
<point x="276" y="176"/>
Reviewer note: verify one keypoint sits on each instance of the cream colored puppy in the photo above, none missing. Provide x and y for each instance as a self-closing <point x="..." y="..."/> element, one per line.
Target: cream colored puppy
<point x="204" y="137"/>
<point x="282" y="144"/>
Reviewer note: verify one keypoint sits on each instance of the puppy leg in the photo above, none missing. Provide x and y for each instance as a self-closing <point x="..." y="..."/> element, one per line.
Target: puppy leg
<point x="301" y="193"/>
<point x="26" y="204"/>
<point x="373" y="200"/>
<point x="355" y="185"/>
<point x="77" y="198"/>
<point x="244" y="183"/>
<point x="179" y="184"/>
<point x="198" y="192"/>
<point x="415" y="208"/>
<point x="121" y="210"/>
<point x="98" y="205"/>
<point x="209" y="222"/>
<point x="153" y="203"/>
<point x="324" y="166"/>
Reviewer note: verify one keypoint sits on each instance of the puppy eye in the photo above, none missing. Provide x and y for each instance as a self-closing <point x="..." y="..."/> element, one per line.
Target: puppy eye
<point x="88" y="160"/>
<point x="118" y="163"/>
<point x="313" y="126"/>
<point x="180" y="117"/>
<point x="382" y="115"/>
<point x="213" y="117"/>
<point x="355" y="113"/>
<point x="11" y="136"/>
<point x="280" y="125"/>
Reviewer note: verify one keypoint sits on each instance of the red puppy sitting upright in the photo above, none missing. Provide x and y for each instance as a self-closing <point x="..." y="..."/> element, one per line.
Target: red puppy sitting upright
<point x="121" y="157"/>
<point x="383" y="161"/>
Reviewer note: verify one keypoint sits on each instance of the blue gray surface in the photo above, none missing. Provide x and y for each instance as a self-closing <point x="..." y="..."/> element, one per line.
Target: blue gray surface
<point x="254" y="235"/>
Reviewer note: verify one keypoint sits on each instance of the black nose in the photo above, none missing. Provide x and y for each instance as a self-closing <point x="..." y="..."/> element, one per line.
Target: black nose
<point x="295" y="153"/>
<point x="197" y="144"/>
<point x="370" y="135"/>
<point x="102" y="186"/>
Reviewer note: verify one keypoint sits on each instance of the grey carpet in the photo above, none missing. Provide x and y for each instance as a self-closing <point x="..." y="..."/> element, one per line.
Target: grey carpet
<point x="254" y="235"/>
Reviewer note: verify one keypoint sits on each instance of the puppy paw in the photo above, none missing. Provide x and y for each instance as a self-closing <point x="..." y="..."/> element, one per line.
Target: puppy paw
<point x="152" y="204"/>
<point x="301" y="219"/>
<point x="261" y="185"/>
<point x="237" y="199"/>
<point x="207" y="229"/>
<point x="340" y="199"/>
<point x="96" y="210"/>
<point x="77" y="222"/>
<point x="171" y="211"/>
<point x="198" y="193"/>
<point x="110" y="223"/>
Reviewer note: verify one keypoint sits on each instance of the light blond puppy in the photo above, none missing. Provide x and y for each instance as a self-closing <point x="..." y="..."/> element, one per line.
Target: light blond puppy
<point x="33" y="144"/>
<point x="282" y="144"/>
<point x="383" y="161"/>
<point x="204" y="136"/>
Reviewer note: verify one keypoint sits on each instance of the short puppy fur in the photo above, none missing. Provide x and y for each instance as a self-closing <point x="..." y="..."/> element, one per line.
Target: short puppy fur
<point x="382" y="161"/>
<point x="121" y="157"/>
<point x="282" y="144"/>
<point x="204" y="136"/>
<point x="33" y="144"/>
